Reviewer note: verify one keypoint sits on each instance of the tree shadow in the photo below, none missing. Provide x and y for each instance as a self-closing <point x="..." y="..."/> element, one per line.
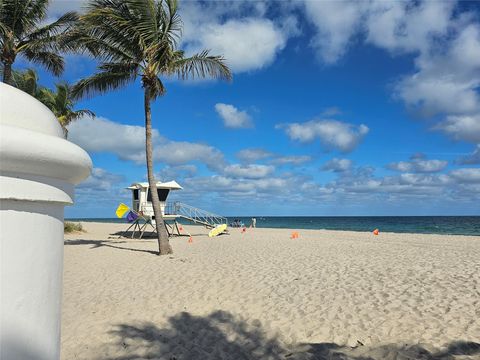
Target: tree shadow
<point x="106" y="243"/>
<point x="222" y="336"/>
<point x="149" y="235"/>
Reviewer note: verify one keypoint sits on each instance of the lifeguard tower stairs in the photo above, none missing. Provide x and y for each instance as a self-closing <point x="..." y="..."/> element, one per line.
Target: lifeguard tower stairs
<point x="194" y="215"/>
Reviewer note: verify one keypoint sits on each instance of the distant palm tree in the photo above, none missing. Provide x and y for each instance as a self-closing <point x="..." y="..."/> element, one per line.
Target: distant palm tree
<point x="26" y="81"/>
<point x="22" y="32"/>
<point x="62" y="103"/>
<point x="139" y="38"/>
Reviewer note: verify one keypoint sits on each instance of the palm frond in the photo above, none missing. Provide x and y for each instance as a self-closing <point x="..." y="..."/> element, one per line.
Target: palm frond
<point x="22" y="16"/>
<point x="144" y="19"/>
<point x="101" y="82"/>
<point x="26" y="81"/>
<point x="172" y="24"/>
<point x="202" y="65"/>
<point x="113" y="24"/>
<point x="50" y="60"/>
<point x="56" y="28"/>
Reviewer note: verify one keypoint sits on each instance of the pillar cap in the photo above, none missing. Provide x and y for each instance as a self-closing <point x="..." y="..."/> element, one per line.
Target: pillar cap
<point x="33" y="148"/>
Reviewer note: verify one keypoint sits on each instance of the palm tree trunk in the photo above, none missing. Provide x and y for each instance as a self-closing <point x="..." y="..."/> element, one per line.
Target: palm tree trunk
<point x="7" y="73"/>
<point x="163" y="243"/>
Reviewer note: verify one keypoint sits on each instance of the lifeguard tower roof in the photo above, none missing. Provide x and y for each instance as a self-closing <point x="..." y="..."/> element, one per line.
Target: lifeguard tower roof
<point x="171" y="185"/>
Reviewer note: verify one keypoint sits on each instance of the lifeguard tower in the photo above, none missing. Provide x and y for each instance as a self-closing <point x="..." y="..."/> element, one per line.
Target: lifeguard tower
<point x="142" y="198"/>
<point x="171" y="212"/>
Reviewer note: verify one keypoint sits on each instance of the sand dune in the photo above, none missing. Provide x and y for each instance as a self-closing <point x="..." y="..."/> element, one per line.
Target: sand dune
<point x="261" y="295"/>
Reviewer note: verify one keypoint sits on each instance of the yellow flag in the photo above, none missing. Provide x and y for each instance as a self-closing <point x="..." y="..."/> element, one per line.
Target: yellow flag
<point x="121" y="210"/>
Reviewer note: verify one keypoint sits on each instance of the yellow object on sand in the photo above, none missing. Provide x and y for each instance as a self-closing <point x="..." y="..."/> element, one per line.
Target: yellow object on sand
<point x="121" y="210"/>
<point x="217" y="230"/>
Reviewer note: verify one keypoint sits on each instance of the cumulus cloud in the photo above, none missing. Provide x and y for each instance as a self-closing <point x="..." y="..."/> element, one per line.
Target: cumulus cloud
<point x="248" y="171"/>
<point x="466" y="128"/>
<point x="472" y="159"/>
<point x="101" y="179"/>
<point x="291" y="160"/>
<point x="418" y="164"/>
<point x="446" y="80"/>
<point x="232" y="117"/>
<point x="333" y="134"/>
<point x="466" y="175"/>
<point x="337" y="165"/>
<point x="395" y="26"/>
<point x="247" y="43"/>
<point x="253" y="154"/>
<point x="102" y="185"/>
<point x="128" y="143"/>
<point x="444" y="39"/>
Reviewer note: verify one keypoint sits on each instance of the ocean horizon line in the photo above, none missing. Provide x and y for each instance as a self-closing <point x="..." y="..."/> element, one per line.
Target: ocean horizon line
<point x="446" y="225"/>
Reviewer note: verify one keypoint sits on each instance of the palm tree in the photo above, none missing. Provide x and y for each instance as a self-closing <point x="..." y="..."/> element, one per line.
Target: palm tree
<point x="22" y="33"/>
<point x="139" y="38"/>
<point x="26" y="81"/>
<point x="62" y="103"/>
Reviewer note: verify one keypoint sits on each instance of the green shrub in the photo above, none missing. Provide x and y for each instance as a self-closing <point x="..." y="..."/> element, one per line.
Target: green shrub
<point x="69" y="227"/>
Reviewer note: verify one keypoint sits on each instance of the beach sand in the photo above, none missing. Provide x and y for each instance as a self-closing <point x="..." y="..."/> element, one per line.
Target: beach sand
<point x="261" y="295"/>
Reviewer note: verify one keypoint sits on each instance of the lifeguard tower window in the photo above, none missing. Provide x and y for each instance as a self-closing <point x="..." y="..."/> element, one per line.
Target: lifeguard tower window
<point x="135" y="194"/>
<point x="162" y="195"/>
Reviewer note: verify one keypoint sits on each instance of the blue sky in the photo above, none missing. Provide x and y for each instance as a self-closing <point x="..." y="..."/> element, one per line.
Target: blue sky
<point x="335" y="108"/>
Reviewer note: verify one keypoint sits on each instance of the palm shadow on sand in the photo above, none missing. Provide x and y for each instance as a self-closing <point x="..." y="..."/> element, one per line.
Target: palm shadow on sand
<point x="95" y="244"/>
<point x="222" y="336"/>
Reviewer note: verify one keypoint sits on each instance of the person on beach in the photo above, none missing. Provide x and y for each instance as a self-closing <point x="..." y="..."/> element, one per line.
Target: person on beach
<point x="254" y="222"/>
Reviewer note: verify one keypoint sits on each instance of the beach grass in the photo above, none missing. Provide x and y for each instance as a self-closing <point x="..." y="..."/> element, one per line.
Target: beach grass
<point x="71" y="227"/>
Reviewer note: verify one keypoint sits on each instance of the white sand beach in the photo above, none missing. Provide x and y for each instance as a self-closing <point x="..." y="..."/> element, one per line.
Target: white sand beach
<point x="262" y="295"/>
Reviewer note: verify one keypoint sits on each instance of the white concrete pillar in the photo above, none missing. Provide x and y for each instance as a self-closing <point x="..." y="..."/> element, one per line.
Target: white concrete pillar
<point x="38" y="171"/>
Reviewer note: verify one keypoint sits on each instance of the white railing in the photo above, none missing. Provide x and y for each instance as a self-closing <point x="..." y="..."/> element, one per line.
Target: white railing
<point x="194" y="214"/>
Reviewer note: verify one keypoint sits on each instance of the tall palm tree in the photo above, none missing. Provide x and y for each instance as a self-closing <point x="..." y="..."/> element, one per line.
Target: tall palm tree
<point x="22" y="32"/>
<point x="139" y="39"/>
<point x="62" y="103"/>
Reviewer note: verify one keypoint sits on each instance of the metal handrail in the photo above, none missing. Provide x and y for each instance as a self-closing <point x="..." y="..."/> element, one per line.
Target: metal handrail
<point x="194" y="214"/>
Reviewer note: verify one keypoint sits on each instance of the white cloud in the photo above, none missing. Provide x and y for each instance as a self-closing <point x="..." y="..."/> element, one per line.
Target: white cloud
<point x="473" y="158"/>
<point x="447" y="79"/>
<point x="466" y="175"/>
<point x="336" y="22"/>
<point x="418" y="164"/>
<point x="248" y="171"/>
<point x="253" y="154"/>
<point x="101" y="186"/>
<point x="331" y="133"/>
<point x="337" y="165"/>
<point x="101" y="179"/>
<point x="291" y="160"/>
<point x="461" y="127"/>
<point x="128" y="143"/>
<point x="402" y="26"/>
<point x="247" y="42"/>
<point x="444" y="38"/>
<point x="232" y="117"/>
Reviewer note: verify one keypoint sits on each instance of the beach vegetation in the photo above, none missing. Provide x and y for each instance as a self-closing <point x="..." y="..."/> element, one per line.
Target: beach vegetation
<point x="23" y="32"/>
<point x="70" y="227"/>
<point x="139" y="39"/>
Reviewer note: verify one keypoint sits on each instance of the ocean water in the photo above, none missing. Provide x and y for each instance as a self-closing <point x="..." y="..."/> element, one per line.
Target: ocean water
<point x="458" y="225"/>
